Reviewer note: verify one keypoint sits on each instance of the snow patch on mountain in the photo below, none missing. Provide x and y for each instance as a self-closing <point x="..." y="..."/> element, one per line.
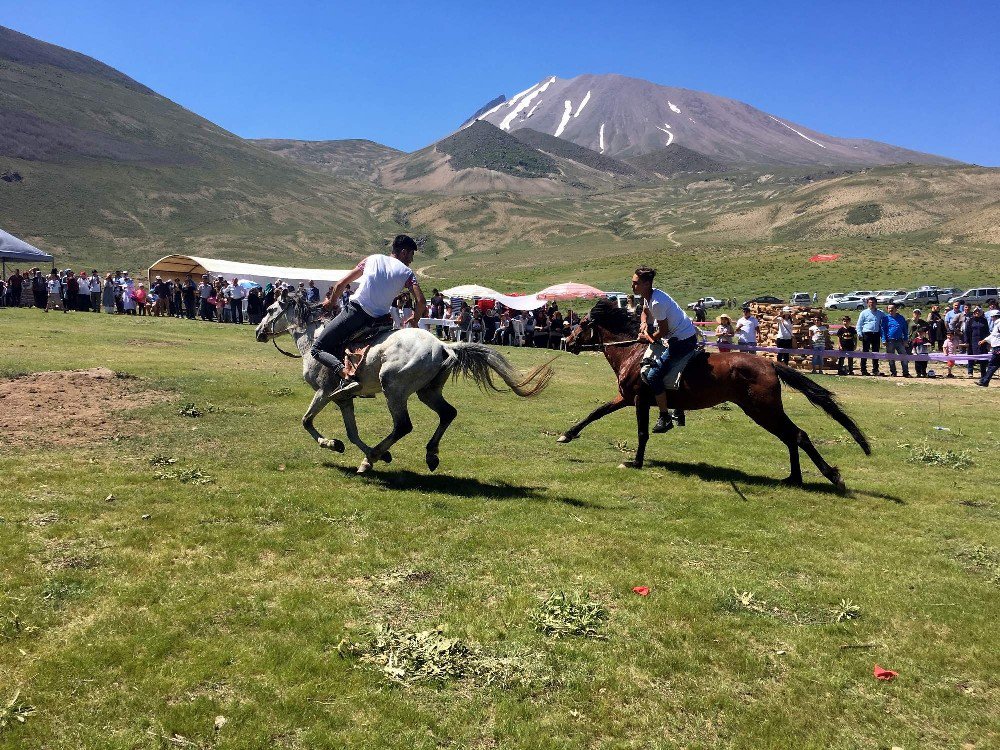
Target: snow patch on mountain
<point x="582" y="105"/>
<point x="796" y="131"/>
<point x="601" y="136"/>
<point x="532" y="110"/>
<point x="673" y="107"/>
<point x="666" y="129"/>
<point x="525" y="102"/>
<point x="565" y="118"/>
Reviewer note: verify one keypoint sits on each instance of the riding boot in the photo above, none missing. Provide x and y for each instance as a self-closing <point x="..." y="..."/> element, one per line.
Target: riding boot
<point x="664" y="423"/>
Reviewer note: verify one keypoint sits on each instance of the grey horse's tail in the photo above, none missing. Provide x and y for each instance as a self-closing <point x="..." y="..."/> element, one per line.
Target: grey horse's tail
<point x="479" y="362"/>
<point x="824" y="399"/>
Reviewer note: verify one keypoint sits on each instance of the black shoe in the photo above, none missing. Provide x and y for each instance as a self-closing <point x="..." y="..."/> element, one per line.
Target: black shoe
<point x="663" y="424"/>
<point x="679" y="418"/>
<point x="981" y="384"/>
<point x="347" y="387"/>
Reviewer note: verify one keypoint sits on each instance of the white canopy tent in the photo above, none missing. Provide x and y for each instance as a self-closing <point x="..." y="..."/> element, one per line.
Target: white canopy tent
<point x="174" y="266"/>
<point x="469" y="291"/>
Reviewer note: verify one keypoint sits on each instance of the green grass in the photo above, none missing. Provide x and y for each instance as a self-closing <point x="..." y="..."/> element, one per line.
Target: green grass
<point x="135" y="622"/>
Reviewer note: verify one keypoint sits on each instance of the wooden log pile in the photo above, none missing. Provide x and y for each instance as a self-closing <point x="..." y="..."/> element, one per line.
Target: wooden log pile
<point x="802" y="318"/>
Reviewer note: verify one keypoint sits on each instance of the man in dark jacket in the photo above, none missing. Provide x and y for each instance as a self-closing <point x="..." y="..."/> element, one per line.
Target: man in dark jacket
<point x="977" y="328"/>
<point x="848" y="336"/>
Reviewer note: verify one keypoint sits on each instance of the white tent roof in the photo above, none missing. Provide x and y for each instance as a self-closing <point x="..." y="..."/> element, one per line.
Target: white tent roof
<point x="524" y="302"/>
<point x="180" y="265"/>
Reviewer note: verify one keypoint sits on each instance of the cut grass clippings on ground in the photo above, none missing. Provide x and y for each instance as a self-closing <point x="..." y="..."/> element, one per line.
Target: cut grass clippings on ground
<point x="982" y="559"/>
<point x="14" y="711"/>
<point x="430" y="656"/>
<point x="747" y="601"/>
<point x="563" y="614"/>
<point x="923" y="453"/>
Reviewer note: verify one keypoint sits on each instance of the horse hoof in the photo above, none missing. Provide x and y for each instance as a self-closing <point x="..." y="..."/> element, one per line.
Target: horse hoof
<point x="365" y="467"/>
<point x="433" y="461"/>
<point x="337" y="446"/>
<point x="792" y="481"/>
<point x="563" y="439"/>
<point x="387" y="457"/>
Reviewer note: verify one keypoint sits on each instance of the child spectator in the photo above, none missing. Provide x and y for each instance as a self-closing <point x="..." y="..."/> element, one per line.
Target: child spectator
<point x="848" y="336"/>
<point x="724" y="333"/>
<point x="920" y="345"/>
<point x="817" y="333"/>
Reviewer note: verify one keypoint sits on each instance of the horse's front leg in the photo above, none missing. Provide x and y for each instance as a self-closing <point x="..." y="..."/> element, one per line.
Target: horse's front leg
<point x="351" y="427"/>
<point x="601" y="411"/>
<point x="320" y="399"/>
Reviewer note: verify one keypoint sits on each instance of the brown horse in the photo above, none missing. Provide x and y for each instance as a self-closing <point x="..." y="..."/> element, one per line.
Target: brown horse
<point x="751" y="382"/>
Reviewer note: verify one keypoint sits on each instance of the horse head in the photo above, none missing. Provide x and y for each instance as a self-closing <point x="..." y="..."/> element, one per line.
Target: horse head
<point x="582" y="335"/>
<point x="291" y="312"/>
<point x="605" y="323"/>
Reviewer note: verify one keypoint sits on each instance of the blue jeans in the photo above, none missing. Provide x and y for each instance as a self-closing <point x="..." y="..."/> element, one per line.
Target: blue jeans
<point x="676" y="348"/>
<point x="896" y="346"/>
<point x="993" y="366"/>
<point x="818" y="350"/>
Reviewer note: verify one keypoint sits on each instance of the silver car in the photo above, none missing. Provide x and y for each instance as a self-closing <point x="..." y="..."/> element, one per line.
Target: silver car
<point x="979" y="295"/>
<point x="888" y="295"/>
<point x="847" y="302"/>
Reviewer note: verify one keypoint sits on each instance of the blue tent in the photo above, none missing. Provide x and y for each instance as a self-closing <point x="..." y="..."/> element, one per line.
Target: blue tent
<point x="13" y="250"/>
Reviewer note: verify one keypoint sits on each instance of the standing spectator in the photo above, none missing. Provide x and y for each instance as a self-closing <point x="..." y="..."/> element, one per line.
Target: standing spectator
<point x="313" y="291"/>
<point x="14" y="286"/>
<point x="870" y="323"/>
<point x="95" y="291"/>
<point x="255" y="306"/>
<point x="141" y="299"/>
<point x="919" y="346"/>
<point x="631" y="307"/>
<point x="540" y="330"/>
<point x="190" y="292"/>
<point x="815" y="297"/>
<point x="746" y="328"/>
<point x="895" y="335"/>
<point x="976" y="331"/>
<point x="491" y="322"/>
<point x="39" y="290"/>
<point x="938" y="329"/>
<point x="528" y="320"/>
<point x="476" y="326"/>
<point x="699" y="311"/>
<point x="918" y="323"/>
<point x="72" y="292"/>
<point x="817" y="335"/>
<point x="221" y="308"/>
<point x="950" y="349"/>
<point x="555" y="329"/>
<point x="993" y="342"/>
<point x="206" y="293"/>
<point x="235" y="294"/>
<point x="177" y="298"/>
<point x="437" y="305"/>
<point x="991" y="312"/>
<point x="108" y="295"/>
<point x="784" y="337"/>
<point x="848" y="336"/>
<point x="54" y="286"/>
<point x="724" y="333"/>
<point x="954" y="321"/>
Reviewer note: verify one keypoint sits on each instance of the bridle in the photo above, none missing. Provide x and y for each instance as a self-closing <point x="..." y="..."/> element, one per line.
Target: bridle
<point x="599" y="346"/>
<point x="287" y="329"/>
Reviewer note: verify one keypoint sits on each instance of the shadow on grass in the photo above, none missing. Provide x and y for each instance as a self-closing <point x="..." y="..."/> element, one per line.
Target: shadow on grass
<point x="710" y="473"/>
<point x="404" y="479"/>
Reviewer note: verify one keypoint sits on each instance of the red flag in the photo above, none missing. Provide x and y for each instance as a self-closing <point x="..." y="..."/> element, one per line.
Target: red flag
<point x="641" y="590"/>
<point x="884" y="674"/>
<point x="824" y="257"/>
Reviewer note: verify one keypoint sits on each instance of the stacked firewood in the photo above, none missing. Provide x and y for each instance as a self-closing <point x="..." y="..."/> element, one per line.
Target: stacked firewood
<point x="802" y="319"/>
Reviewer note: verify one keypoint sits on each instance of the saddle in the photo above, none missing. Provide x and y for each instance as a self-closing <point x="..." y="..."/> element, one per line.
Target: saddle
<point x="675" y="367"/>
<point x="361" y="341"/>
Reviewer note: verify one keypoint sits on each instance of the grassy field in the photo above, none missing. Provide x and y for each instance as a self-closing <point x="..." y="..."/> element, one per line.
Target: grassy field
<point x="136" y="608"/>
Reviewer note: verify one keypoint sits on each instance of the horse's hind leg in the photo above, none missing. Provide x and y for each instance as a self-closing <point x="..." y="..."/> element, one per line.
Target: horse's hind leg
<point x="434" y="398"/>
<point x="401" y="426"/>
<point x="320" y="399"/>
<point x="351" y="427"/>
<point x="774" y="420"/>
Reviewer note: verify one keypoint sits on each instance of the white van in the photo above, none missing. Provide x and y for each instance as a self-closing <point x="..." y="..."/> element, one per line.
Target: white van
<point x="978" y="296"/>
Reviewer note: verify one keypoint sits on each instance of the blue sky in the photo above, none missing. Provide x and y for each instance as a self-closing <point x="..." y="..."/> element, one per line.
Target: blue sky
<point x="916" y="74"/>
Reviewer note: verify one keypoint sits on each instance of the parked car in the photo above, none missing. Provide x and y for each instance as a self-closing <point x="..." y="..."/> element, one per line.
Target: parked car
<point x="765" y="300"/>
<point x="832" y="297"/>
<point x="918" y="298"/>
<point x="864" y="294"/>
<point x="800" y="298"/>
<point x="618" y="298"/>
<point x="979" y="295"/>
<point x="709" y="302"/>
<point x="847" y="302"/>
<point x="888" y="295"/>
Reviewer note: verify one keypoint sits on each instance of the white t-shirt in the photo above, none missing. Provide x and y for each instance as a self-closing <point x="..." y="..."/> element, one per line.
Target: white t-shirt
<point x="55" y="286"/>
<point x="784" y="328"/>
<point x="818" y="334"/>
<point x="663" y="307"/>
<point x="95" y="284"/>
<point x="234" y="291"/>
<point x="747" y="330"/>
<point x="383" y="279"/>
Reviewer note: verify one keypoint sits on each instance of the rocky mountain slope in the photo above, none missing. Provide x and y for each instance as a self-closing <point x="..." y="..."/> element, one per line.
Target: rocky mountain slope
<point x="356" y="158"/>
<point x="620" y="116"/>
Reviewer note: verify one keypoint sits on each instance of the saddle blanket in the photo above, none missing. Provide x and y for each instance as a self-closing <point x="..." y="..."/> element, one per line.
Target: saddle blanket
<point x="358" y="346"/>
<point x="675" y="366"/>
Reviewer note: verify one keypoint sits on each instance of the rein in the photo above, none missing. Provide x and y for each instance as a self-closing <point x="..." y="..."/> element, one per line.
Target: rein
<point x="274" y="340"/>
<point x="274" y="336"/>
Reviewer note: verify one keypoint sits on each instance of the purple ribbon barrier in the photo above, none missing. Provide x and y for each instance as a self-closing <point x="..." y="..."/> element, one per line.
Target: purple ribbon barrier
<point x="838" y="353"/>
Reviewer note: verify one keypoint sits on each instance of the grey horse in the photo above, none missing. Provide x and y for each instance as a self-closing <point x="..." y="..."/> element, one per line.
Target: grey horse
<point x="398" y="364"/>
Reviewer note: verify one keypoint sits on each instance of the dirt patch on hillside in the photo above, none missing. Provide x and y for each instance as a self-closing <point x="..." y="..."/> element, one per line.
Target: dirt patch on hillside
<point x="70" y="407"/>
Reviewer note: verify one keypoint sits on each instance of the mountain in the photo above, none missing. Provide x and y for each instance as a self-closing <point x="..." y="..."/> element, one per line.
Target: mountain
<point x="483" y="158"/>
<point x="568" y="150"/>
<point x="113" y="172"/>
<point x="356" y="158"/>
<point x="673" y="159"/>
<point x="620" y="116"/>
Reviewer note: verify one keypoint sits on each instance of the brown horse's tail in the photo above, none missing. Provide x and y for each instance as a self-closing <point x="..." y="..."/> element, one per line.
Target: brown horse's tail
<point x="824" y="399"/>
<point x="479" y="362"/>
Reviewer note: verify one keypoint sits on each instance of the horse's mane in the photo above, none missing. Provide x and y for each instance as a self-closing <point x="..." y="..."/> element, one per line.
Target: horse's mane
<point x="609" y="316"/>
<point x="305" y="311"/>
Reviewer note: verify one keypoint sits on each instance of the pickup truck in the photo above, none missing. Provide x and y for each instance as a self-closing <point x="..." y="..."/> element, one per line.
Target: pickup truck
<point x="710" y="303"/>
